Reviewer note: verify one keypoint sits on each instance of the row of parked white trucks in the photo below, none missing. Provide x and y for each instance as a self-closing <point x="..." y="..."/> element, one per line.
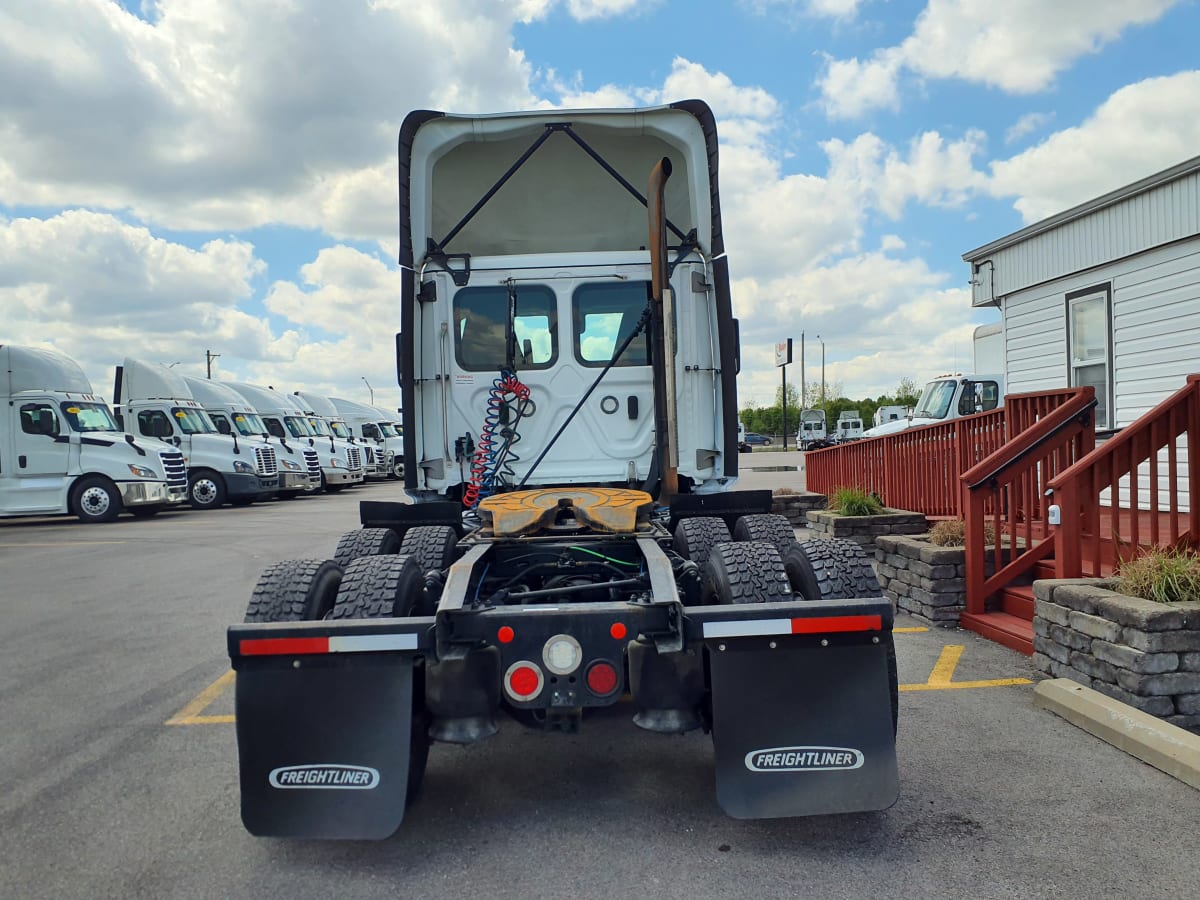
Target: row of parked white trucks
<point x="170" y="439"/>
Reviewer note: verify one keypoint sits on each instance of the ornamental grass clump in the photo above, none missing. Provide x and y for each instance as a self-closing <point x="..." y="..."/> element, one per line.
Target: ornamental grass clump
<point x="1161" y="575"/>
<point x="855" y="502"/>
<point x="953" y="533"/>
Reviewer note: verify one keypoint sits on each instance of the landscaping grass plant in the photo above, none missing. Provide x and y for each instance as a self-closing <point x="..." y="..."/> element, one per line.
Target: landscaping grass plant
<point x="855" y="502"/>
<point x="1164" y="575"/>
<point x="953" y="533"/>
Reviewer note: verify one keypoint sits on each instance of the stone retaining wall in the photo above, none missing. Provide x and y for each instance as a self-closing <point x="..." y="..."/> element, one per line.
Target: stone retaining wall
<point x="865" y="529"/>
<point x="796" y="507"/>
<point x="1144" y="654"/>
<point x="919" y="578"/>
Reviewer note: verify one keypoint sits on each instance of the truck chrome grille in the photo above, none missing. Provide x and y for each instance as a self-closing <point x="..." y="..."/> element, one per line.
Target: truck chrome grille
<point x="266" y="462"/>
<point x="312" y="463"/>
<point x="353" y="458"/>
<point x="173" y="466"/>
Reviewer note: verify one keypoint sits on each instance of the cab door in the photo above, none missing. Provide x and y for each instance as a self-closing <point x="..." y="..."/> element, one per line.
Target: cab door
<point x="36" y="473"/>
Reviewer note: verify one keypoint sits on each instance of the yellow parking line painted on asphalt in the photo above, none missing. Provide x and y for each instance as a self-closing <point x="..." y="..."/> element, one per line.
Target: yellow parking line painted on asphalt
<point x="914" y="630"/>
<point x="190" y="714"/>
<point x="942" y="676"/>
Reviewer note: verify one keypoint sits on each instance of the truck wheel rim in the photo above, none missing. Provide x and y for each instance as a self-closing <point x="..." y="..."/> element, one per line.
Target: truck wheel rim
<point x="204" y="491"/>
<point x="96" y="501"/>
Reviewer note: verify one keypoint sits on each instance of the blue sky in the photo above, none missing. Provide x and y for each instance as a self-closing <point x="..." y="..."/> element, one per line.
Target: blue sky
<point x="190" y="175"/>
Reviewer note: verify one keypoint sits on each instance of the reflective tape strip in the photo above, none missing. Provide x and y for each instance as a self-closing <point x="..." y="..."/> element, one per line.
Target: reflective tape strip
<point x="815" y="625"/>
<point x="747" y="628"/>
<point x="358" y="643"/>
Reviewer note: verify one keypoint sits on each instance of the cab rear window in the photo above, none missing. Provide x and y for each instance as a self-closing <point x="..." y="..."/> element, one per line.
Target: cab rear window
<point x="480" y="314"/>
<point x="604" y="315"/>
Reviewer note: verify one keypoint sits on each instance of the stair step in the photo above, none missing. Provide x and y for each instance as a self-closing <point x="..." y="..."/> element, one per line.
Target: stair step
<point x="1003" y="628"/>
<point x="1017" y="600"/>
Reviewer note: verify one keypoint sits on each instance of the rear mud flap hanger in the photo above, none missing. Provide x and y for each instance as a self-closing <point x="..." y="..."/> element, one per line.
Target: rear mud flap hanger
<point x="459" y="264"/>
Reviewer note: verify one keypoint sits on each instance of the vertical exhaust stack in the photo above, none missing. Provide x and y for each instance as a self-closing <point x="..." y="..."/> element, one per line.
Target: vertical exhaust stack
<point x="663" y="333"/>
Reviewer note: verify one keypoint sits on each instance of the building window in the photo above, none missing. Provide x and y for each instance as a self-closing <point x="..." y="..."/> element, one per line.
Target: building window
<point x="1089" y="347"/>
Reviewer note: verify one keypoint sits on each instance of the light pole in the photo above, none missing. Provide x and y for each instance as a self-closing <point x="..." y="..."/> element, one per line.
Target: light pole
<point x="369" y="388"/>
<point x="822" y="372"/>
<point x="209" y="356"/>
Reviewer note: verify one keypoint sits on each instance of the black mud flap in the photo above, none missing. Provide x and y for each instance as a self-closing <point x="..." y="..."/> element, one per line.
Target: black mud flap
<point x="801" y="730"/>
<point x="323" y="744"/>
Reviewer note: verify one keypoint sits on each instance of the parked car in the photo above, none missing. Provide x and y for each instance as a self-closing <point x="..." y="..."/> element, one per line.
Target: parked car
<point x="752" y="439"/>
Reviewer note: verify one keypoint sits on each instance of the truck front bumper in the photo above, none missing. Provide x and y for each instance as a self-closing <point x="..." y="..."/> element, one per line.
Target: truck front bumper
<point x="343" y="476"/>
<point x="251" y="485"/>
<point x="151" y="493"/>
<point x="298" y="481"/>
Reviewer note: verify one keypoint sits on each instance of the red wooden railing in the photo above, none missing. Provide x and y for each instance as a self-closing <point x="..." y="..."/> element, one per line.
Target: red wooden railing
<point x="1096" y="531"/>
<point x="1008" y="490"/>
<point x="918" y="469"/>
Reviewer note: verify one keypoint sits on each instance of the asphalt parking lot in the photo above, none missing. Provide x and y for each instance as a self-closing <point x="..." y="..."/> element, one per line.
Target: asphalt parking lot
<point x="118" y="771"/>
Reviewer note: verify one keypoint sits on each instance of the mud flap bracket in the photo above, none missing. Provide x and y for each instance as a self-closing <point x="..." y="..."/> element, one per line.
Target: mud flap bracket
<point x="801" y="729"/>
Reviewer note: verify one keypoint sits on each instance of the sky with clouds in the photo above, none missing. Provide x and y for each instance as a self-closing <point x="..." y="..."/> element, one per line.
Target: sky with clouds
<point x="183" y="176"/>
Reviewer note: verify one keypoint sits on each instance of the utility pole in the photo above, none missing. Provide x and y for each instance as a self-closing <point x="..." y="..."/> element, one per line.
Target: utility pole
<point x="209" y="356"/>
<point x="369" y="388"/>
<point x="822" y="373"/>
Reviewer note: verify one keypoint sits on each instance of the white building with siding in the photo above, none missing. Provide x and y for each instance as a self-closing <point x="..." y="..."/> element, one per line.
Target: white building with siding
<point x="1105" y="294"/>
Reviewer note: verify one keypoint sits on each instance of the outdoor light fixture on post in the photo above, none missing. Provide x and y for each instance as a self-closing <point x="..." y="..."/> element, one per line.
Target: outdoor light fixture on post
<point x="209" y="356"/>
<point x="369" y="388"/>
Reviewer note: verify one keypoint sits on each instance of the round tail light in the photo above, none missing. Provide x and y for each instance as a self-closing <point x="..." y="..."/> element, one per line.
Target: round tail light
<point x="602" y="678"/>
<point x="523" y="680"/>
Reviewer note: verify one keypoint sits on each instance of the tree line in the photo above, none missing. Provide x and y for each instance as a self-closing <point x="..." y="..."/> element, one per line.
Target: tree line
<point x="769" y="419"/>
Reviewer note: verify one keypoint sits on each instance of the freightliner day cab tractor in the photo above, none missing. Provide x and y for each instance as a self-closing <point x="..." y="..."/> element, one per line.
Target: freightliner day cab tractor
<point x="376" y="464"/>
<point x="61" y="450"/>
<point x="299" y="467"/>
<point x="948" y="397"/>
<point x="341" y="461"/>
<point x="567" y="375"/>
<point x="392" y="430"/>
<point x="365" y="421"/>
<point x="153" y="401"/>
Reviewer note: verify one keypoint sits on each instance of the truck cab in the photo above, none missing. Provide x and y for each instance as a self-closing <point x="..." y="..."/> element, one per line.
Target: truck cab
<point x="393" y="439"/>
<point x="948" y="397"/>
<point x="849" y="426"/>
<point x="299" y="468"/>
<point x="286" y="419"/>
<point x="156" y="402"/>
<point x="366" y="423"/>
<point x="812" y="431"/>
<point x="330" y="420"/>
<point x="62" y="451"/>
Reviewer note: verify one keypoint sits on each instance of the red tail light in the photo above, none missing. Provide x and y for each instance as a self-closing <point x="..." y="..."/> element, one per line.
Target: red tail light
<point x="523" y="680"/>
<point x="602" y="679"/>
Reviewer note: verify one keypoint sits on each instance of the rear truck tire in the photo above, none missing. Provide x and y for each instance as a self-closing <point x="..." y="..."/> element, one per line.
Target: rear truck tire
<point x="695" y="538"/>
<point x="833" y="569"/>
<point x="144" y="512"/>
<point x="95" y="499"/>
<point x="365" y="542"/>
<point x="381" y="587"/>
<point x="773" y="529"/>
<point x="432" y="546"/>
<point x="745" y="572"/>
<point x="295" y="590"/>
<point x="206" y="489"/>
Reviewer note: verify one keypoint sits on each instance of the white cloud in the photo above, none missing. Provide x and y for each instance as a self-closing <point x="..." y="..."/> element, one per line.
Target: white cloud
<point x="1026" y="125"/>
<point x="825" y="9"/>
<point x="221" y="114"/>
<point x="1141" y="129"/>
<point x="1018" y="46"/>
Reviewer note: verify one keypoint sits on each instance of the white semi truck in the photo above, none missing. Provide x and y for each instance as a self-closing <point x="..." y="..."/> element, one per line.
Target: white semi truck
<point x="567" y="365"/>
<point x="393" y="438"/>
<point x="299" y="467"/>
<point x="284" y="416"/>
<point x="367" y="423"/>
<point x="376" y="464"/>
<point x="849" y="426"/>
<point x="812" y="431"/>
<point x="948" y="397"/>
<point x="153" y="401"/>
<point x="891" y="413"/>
<point x="61" y="450"/>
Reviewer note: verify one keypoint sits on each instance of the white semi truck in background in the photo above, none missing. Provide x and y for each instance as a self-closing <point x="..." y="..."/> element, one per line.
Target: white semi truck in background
<point x="849" y="425"/>
<point x="812" y="428"/>
<point x="947" y="397"/>
<point x="62" y="452"/>
<point x="374" y="454"/>
<point x="393" y="438"/>
<point x="367" y="423"/>
<point x="891" y="414"/>
<point x="153" y="401"/>
<point x="299" y="467"/>
<point x="341" y="461"/>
